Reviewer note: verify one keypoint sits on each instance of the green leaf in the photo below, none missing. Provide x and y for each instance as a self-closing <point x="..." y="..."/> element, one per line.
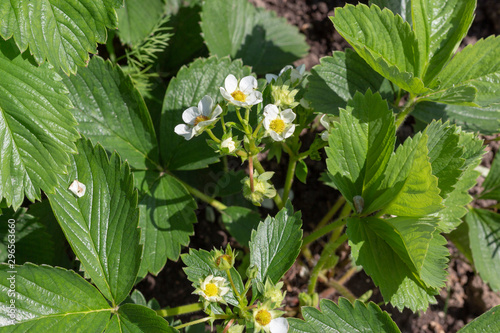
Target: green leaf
<point x="200" y="264"/>
<point x="301" y="171"/>
<point x="456" y="200"/>
<point x="275" y="244"/>
<point x="29" y="234"/>
<point x="61" y="32"/>
<point x="484" y="236"/>
<point x="491" y="185"/>
<point x="433" y="271"/>
<point x="137" y="18"/>
<point x="36" y="128"/>
<point x="202" y="77"/>
<point x="101" y="226"/>
<point x="460" y="95"/>
<point x="111" y="111"/>
<point x="240" y="222"/>
<point x="400" y="7"/>
<point x="384" y="41"/>
<point x="360" y="146"/>
<point x="485" y="323"/>
<point x="51" y="299"/>
<point x="344" y="317"/>
<point x="409" y="187"/>
<point x="166" y="220"/>
<point x="402" y="288"/>
<point x="262" y="40"/>
<point x="439" y="27"/>
<point x="135" y="318"/>
<point x="337" y="78"/>
<point x="478" y="66"/>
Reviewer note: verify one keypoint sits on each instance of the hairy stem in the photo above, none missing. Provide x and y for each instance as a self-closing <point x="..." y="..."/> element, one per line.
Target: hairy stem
<point x="180" y="310"/>
<point x="202" y="196"/>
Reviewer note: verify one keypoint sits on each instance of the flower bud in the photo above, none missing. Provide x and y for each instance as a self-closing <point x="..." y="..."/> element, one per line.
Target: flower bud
<point x="252" y="271"/>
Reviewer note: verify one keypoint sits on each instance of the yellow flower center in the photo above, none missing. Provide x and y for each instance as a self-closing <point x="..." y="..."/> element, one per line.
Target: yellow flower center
<point x="263" y="317"/>
<point x="211" y="290"/>
<point x="277" y="125"/>
<point x="199" y="119"/>
<point x="239" y="96"/>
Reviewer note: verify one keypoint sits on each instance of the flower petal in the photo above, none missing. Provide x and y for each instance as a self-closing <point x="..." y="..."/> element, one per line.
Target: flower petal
<point x="205" y="105"/>
<point x="216" y="112"/>
<point x="184" y="130"/>
<point x="288" y="116"/>
<point x="278" y="325"/>
<point x="284" y="69"/>
<point x="227" y="96"/>
<point x="258" y="97"/>
<point x="275" y="136"/>
<point x="271" y="111"/>
<point x="324" y="122"/>
<point x="248" y="84"/>
<point x="270" y="77"/>
<point x="190" y="114"/>
<point x="230" y="83"/>
<point x="288" y="131"/>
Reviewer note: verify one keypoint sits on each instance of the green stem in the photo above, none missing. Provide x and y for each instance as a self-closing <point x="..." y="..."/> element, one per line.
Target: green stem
<point x="328" y="251"/>
<point x="309" y="151"/>
<point x="277" y="198"/>
<point x="342" y="290"/>
<point x="202" y="320"/>
<point x="408" y="108"/>
<point x="180" y="310"/>
<point x="340" y="221"/>
<point x="289" y="177"/>
<point x="331" y="213"/>
<point x="258" y="128"/>
<point x="247" y="115"/>
<point x="288" y="150"/>
<point x="223" y="123"/>
<point x="202" y="196"/>
<point x="216" y="139"/>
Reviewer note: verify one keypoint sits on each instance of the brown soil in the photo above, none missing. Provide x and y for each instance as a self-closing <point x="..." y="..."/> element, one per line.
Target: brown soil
<point x="466" y="295"/>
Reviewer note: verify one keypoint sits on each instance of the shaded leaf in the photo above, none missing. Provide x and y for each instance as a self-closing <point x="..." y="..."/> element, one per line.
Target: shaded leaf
<point x="111" y="111"/>
<point x="260" y="38"/>
<point x="240" y="221"/>
<point x="400" y="7"/>
<point x="491" y="184"/>
<point x="137" y="318"/>
<point x="485" y="323"/>
<point x="137" y="18"/>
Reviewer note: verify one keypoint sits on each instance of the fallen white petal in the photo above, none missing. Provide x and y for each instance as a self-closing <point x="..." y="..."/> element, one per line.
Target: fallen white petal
<point x="77" y="188"/>
<point x="278" y="325"/>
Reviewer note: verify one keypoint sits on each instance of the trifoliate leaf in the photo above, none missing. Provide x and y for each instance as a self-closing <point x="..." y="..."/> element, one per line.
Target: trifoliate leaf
<point x="484" y="237"/>
<point x="49" y="299"/>
<point x="36" y="128"/>
<point x="111" y="111"/>
<point x="101" y="226"/>
<point x="61" y="32"/>
<point x="275" y="244"/>
<point x="236" y="28"/>
<point x="337" y="78"/>
<point x="202" y="77"/>
<point x="344" y="317"/>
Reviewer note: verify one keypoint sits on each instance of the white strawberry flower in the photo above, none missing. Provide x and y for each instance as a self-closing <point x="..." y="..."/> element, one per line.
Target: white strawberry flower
<point x="241" y="93"/>
<point x="279" y="124"/>
<point x="229" y="144"/>
<point x="213" y="289"/>
<point x="198" y="118"/>
<point x="268" y="320"/>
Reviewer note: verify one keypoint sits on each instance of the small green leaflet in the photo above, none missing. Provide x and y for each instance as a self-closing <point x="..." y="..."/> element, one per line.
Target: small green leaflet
<point x="276" y="243"/>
